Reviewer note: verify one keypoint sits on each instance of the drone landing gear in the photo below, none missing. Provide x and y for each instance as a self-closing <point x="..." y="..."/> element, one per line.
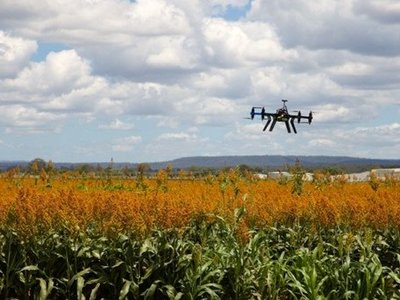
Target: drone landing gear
<point x="268" y="122"/>
<point x="275" y="119"/>
<point x="273" y="124"/>
<point x="292" y="123"/>
<point x="287" y="126"/>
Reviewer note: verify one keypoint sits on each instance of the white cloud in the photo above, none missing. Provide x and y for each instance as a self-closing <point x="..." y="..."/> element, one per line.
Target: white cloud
<point x="78" y="21"/>
<point x="118" y="125"/>
<point x="131" y="37"/>
<point x="351" y="68"/>
<point x="168" y="122"/>
<point x="17" y="118"/>
<point x="59" y="73"/>
<point x="15" y="53"/>
<point x="243" y="43"/>
<point x="175" y="53"/>
<point x="126" y="144"/>
<point x="64" y="84"/>
<point x="230" y="2"/>
<point x="157" y="18"/>
<point x="316" y="25"/>
<point x="177" y="136"/>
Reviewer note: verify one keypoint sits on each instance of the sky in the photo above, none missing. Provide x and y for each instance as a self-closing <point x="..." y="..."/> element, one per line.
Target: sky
<point x="153" y="80"/>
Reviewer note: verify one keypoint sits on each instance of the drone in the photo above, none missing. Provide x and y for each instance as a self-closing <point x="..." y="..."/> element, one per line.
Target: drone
<point x="281" y="115"/>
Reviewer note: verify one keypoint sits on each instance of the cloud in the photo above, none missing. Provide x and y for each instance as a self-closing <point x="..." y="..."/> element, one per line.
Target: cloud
<point x="20" y="119"/>
<point x="118" y="125"/>
<point x="316" y="25"/>
<point x="15" y="53"/>
<point x="385" y="11"/>
<point x="73" y="23"/>
<point x="126" y="144"/>
<point x="375" y="141"/>
<point x="48" y="91"/>
<point x="134" y="39"/>
<point x="234" y="44"/>
<point x="60" y="73"/>
<point x="63" y="84"/>
<point x="177" y="136"/>
<point x="230" y="2"/>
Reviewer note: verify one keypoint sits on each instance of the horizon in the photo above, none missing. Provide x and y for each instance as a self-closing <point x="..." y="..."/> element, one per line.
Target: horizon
<point x="204" y="156"/>
<point x="157" y="80"/>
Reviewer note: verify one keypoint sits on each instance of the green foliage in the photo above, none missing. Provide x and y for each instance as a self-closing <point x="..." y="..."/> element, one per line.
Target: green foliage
<point x="209" y="260"/>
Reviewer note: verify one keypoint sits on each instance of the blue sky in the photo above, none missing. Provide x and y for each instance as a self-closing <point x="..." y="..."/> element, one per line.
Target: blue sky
<point x="157" y="80"/>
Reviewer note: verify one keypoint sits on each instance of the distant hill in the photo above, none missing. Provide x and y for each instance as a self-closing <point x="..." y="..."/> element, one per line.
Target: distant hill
<point x="5" y="165"/>
<point x="270" y="162"/>
<point x="277" y="162"/>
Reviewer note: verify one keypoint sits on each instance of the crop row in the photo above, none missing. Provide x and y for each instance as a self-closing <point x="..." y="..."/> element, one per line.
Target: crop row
<point x="208" y="260"/>
<point x="142" y="206"/>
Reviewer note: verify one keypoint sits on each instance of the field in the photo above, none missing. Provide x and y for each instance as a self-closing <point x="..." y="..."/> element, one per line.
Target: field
<point x="224" y="236"/>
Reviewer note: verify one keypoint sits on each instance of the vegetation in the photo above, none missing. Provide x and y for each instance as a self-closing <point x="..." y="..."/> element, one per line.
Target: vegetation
<point x="224" y="236"/>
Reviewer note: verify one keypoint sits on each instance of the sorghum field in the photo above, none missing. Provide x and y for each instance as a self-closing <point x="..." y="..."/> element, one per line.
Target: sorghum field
<point x="225" y="236"/>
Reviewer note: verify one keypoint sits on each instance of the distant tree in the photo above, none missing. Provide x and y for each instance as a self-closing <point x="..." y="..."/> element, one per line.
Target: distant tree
<point x="83" y="169"/>
<point x="141" y="171"/>
<point x="43" y="175"/>
<point x="194" y="170"/>
<point x="169" y="170"/>
<point x="99" y="169"/>
<point x="36" y="165"/>
<point x="335" y="170"/>
<point x="297" y="172"/>
<point x="244" y="168"/>
<point x="126" y="172"/>
<point x="50" y="168"/>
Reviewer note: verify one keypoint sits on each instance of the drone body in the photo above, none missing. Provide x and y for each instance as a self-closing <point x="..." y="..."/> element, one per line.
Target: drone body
<point x="281" y="115"/>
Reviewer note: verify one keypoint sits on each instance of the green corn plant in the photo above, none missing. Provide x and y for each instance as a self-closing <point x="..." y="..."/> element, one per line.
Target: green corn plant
<point x="307" y="274"/>
<point x="12" y="260"/>
<point x="45" y="288"/>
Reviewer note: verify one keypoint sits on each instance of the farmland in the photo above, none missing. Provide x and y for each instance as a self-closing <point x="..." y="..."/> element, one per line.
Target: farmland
<point x="227" y="235"/>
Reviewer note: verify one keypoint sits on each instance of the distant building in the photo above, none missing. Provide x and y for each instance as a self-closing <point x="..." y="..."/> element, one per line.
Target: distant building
<point x="308" y="177"/>
<point x="261" y="176"/>
<point x="278" y="175"/>
<point x="384" y="173"/>
<point x="363" y="176"/>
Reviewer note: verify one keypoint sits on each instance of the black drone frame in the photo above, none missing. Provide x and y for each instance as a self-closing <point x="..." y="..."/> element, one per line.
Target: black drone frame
<point x="281" y="115"/>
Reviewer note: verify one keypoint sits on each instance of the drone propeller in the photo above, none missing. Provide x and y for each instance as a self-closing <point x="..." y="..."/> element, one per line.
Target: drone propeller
<point x="310" y="117"/>
<point x="298" y="116"/>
